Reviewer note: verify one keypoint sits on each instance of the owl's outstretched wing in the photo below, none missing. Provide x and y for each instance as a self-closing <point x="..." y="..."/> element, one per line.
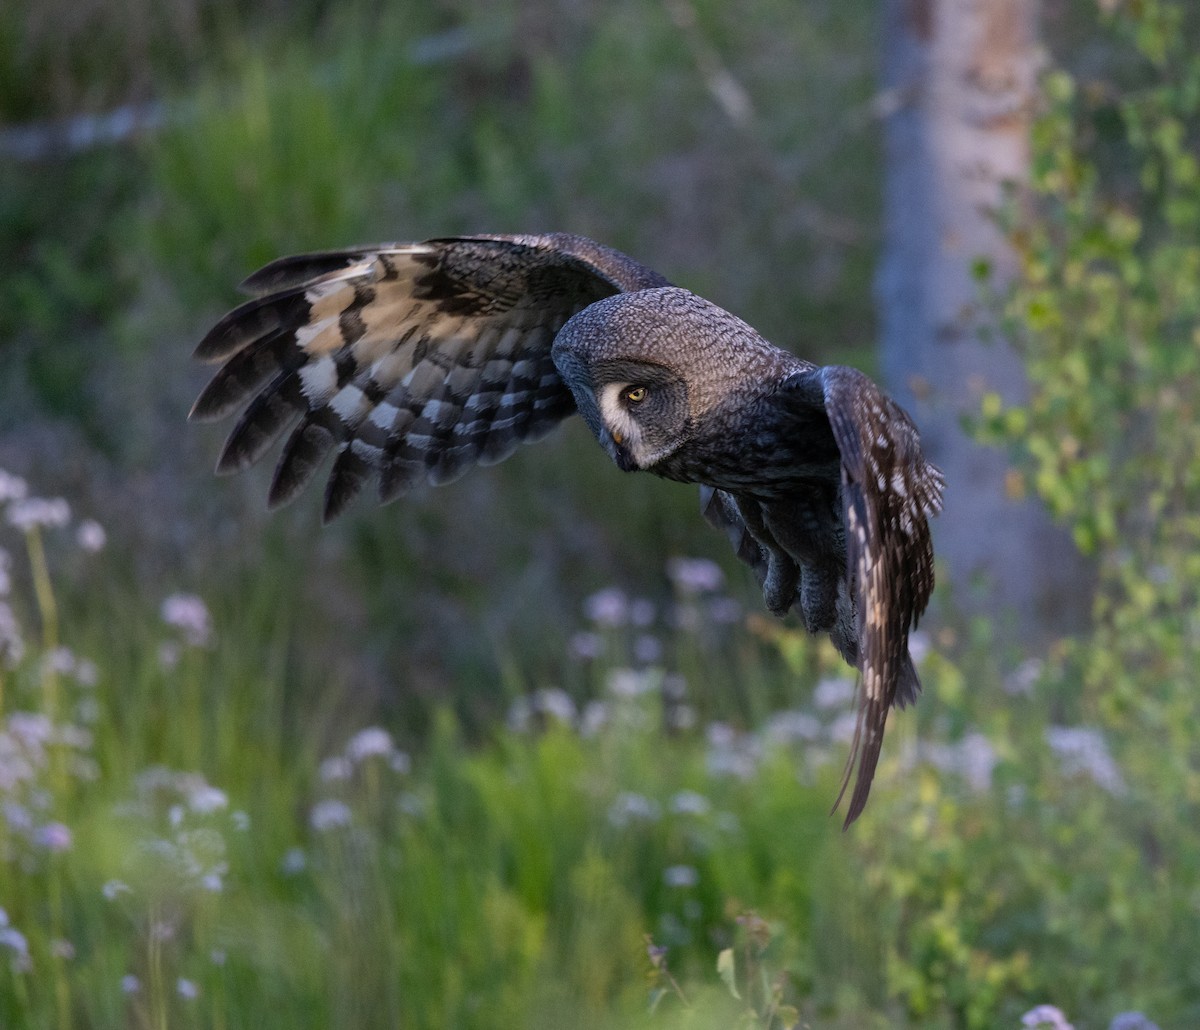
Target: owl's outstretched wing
<point x="889" y="492"/>
<point x="414" y="361"/>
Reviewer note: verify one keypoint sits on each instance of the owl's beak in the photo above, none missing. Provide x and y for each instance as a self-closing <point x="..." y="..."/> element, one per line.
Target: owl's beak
<point x="614" y="443"/>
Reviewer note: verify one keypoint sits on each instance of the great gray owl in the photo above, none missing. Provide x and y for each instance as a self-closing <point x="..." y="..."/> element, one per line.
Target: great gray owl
<point x="415" y="361"/>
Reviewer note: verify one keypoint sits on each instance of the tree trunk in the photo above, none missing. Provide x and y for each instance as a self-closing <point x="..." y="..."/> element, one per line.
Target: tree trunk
<point x="962" y="73"/>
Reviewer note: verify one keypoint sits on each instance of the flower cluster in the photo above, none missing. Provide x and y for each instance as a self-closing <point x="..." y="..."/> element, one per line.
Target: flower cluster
<point x="368" y="754"/>
<point x="15" y="943"/>
<point x="973" y="758"/>
<point x="179" y="823"/>
<point x="1082" y="751"/>
<point x="1050" y="1017"/>
<point x="30" y="746"/>
<point x="25" y="513"/>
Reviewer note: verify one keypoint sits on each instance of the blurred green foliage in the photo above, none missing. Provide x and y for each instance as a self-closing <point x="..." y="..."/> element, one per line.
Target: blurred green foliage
<point x="1107" y="312"/>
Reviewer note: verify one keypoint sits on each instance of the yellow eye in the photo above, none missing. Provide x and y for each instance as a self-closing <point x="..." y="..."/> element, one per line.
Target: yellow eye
<point x="635" y="394"/>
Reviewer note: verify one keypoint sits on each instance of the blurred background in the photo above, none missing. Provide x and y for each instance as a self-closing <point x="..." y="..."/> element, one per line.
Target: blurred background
<point x="526" y="750"/>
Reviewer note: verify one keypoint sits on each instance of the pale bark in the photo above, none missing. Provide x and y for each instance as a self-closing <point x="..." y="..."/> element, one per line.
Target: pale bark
<point x="961" y="74"/>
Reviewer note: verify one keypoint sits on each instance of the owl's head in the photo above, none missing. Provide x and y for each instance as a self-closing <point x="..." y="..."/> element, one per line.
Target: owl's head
<point x="627" y="385"/>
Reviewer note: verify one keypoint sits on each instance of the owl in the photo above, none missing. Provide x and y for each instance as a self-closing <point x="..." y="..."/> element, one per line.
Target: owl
<point x="412" y="362"/>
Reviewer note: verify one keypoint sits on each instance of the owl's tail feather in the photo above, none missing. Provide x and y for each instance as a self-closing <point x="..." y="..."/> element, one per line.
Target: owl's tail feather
<point x="908" y="685"/>
<point x="864" y="754"/>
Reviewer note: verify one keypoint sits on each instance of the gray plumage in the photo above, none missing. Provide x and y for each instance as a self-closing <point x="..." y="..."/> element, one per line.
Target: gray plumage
<point x="413" y="362"/>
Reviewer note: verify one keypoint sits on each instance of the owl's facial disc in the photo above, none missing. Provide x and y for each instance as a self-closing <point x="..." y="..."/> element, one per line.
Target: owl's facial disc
<point x="641" y="417"/>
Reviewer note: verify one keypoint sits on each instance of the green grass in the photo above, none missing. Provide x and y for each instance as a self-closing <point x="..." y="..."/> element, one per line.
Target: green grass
<point x="336" y="880"/>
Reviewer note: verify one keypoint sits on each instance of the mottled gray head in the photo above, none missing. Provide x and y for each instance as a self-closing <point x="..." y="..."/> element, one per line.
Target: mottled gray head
<point x="645" y="367"/>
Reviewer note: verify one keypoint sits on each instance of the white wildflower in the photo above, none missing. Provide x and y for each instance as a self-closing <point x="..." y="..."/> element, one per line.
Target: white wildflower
<point x="168" y="655"/>
<point x="187" y="988"/>
<point x="88" y="710"/>
<point x="74" y="736"/>
<point x="973" y="758"/>
<point x="727" y="822"/>
<point x="113" y="889"/>
<point x="586" y="646"/>
<point x="204" y="799"/>
<point x="684" y="876"/>
<point x="294" y="862"/>
<point x="689" y="802"/>
<point x="721" y="735"/>
<point x="1047" y="1017"/>
<point x="14" y="940"/>
<point x="632" y="682"/>
<point x="335" y="769"/>
<point x="841" y="730"/>
<point x="834" y="692"/>
<point x="520" y="715"/>
<point x="1021" y="681"/>
<point x="695" y="575"/>
<point x="977" y="760"/>
<point x="53" y="837"/>
<point x="12" y="488"/>
<point x="790" y="726"/>
<point x="556" y="704"/>
<point x="681" y="717"/>
<point x="17" y="816"/>
<point x="1132" y="1021"/>
<point x="162" y="930"/>
<point x="130" y="984"/>
<point x="608" y="607"/>
<point x="329" y="814"/>
<point x="595" y="717"/>
<point x="188" y="614"/>
<point x="730" y="753"/>
<point x="372" y="741"/>
<point x="60" y="660"/>
<point x="38" y="512"/>
<point x="540" y="707"/>
<point x="90" y="536"/>
<point x="1081" y="750"/>
<point x="629" y="807"/>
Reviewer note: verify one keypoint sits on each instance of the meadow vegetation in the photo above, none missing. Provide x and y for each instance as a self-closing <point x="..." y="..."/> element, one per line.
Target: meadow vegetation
<point x="554" y="767"/>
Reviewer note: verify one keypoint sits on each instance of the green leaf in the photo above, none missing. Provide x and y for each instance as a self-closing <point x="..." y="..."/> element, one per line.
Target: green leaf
<point x="726" y="969"/>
